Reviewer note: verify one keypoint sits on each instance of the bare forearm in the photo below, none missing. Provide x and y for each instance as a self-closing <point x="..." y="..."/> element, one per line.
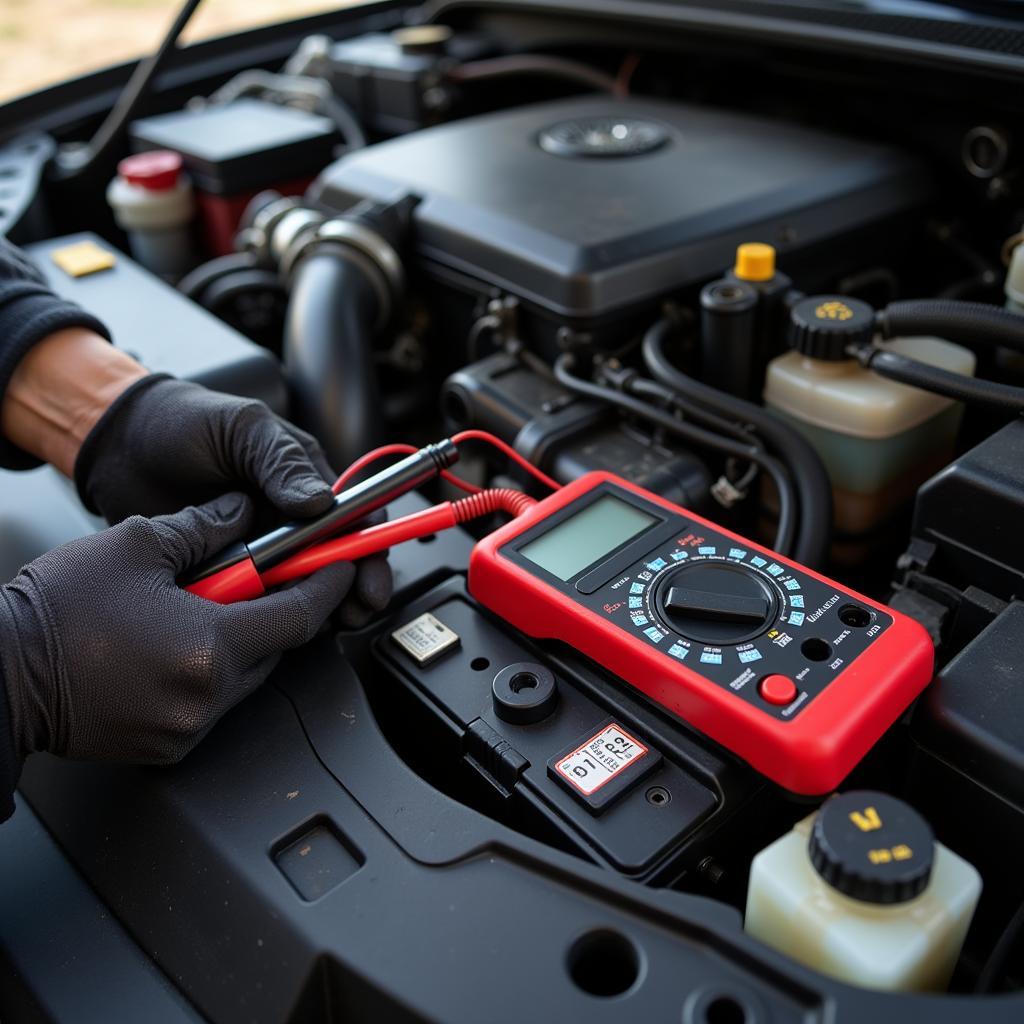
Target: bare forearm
<point x="59" y="391"/>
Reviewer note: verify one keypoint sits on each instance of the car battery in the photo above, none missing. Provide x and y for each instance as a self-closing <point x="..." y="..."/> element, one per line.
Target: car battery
<point x="554" y="745"/>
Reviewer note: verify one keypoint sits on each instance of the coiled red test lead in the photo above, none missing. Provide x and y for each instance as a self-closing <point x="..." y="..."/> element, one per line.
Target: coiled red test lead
<point x="243" y="581"/>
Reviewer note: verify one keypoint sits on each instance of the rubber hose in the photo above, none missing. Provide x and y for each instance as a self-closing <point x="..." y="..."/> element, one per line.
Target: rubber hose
<point x="972" y="390"/>
<point x="967" y="323"/>
<point x="328" y="354"/>
<point x="807" y="471"/>
<point x="644" y="388"/>
<point x="695" y="435"/>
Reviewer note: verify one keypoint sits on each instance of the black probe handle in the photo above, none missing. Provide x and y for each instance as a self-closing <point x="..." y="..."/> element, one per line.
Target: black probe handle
<point x="350" y="505"/>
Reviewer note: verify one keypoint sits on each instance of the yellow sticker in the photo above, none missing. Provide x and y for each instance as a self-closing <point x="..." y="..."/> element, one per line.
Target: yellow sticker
<point x="83" y="258"/>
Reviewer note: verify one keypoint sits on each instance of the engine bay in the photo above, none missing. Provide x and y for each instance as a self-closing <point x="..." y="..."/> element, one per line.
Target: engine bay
<point x="718" y="716"/>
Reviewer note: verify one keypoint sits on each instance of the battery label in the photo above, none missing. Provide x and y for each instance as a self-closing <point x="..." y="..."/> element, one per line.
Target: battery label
<point x="600" y="759"/>
<point x="425" y="638"/>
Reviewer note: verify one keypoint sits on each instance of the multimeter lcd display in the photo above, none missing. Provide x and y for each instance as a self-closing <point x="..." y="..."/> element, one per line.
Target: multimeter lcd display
<point x="587" y="537"/>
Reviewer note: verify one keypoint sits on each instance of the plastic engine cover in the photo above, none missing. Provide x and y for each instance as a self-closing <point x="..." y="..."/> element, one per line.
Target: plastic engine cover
<point x="586" y="206"/>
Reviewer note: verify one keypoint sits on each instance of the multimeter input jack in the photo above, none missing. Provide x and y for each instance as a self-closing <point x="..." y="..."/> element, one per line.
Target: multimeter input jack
<point x="815" y="649"/>
<point x="855" y="616"/>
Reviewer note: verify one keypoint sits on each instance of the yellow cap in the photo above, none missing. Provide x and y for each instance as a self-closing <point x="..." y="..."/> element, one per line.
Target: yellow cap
<point x="755" y="261"/>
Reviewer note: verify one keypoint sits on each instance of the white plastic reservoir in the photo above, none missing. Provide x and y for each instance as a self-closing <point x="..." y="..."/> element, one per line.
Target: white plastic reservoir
<point x="879" y="439"/>
<point x="863" y="892"/>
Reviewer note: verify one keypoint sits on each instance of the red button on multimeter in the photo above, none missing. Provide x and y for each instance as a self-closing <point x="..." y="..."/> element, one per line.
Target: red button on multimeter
<point x="705" y="623"/>
<point x="779" y="690"/>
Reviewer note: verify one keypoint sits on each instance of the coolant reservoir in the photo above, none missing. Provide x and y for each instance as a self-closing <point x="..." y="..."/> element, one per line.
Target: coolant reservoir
<point x="863" y="892"/>
<point x="879" y="440"/>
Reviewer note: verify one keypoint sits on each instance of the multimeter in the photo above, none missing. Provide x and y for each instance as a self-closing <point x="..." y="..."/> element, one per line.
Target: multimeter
<point x="789" y="670"/>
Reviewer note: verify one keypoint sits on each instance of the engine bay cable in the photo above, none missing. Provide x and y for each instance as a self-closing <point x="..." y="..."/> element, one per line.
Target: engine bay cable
<point x="73" y="162"/>
<point x="302" y="86"/>
<point x="809" y="476"/>
<point x="690" y="432"/>
<point x="644" y="388"/>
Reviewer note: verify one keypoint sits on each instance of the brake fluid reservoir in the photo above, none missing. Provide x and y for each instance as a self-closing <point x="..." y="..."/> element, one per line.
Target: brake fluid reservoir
<point x="863" y="892"/>
<point x="152" y="201"/>
<point x="879" y="439"/>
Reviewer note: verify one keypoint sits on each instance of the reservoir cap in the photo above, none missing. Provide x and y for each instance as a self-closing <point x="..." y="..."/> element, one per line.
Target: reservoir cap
<point x="825" y="326"/>
<point x="156" y="170"/>
<point x="755" y="261"/>
<point x="872" y="847"/>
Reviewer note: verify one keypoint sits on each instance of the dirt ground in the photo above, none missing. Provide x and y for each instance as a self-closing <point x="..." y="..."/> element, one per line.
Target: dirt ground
<point x="47" y="41"/>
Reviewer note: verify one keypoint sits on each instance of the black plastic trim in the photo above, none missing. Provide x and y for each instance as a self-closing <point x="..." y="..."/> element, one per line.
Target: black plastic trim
<point x="934" y="41"/>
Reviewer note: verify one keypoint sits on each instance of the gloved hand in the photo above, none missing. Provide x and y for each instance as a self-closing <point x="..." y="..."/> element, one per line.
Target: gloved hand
<point x="105" y="658"/>
<point x="167" y="443"/>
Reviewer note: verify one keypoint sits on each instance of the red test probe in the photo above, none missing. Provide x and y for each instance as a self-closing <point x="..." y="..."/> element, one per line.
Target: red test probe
<point x="298" y="549"/>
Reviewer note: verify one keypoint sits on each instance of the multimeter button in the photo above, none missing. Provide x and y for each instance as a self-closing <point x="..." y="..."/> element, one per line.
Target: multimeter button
<point x="779" y="690"/>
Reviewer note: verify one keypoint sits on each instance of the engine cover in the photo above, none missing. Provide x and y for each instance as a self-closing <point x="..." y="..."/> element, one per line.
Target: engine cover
<point x="584" y="207"/>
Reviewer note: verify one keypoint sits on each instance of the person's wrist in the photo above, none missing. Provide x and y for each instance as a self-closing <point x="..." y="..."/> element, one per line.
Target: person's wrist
<point x="60" y="390"/>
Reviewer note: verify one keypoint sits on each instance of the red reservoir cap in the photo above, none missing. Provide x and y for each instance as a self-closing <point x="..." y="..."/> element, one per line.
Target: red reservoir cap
<point x="156" y="171"/>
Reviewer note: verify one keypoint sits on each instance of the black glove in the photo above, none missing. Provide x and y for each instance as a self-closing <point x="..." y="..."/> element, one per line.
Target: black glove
<point x="168" y="443"/>
<point x="106" y="658"/>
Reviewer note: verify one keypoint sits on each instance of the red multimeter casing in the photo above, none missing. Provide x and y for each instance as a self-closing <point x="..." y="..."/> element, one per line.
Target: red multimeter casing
<point x="789" y="670"/>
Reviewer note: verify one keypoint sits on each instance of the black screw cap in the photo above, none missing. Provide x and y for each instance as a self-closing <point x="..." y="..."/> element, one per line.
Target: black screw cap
<point x="872" y="847"/>
<point x="524" y="693"/>
<point x="825" y="326"/>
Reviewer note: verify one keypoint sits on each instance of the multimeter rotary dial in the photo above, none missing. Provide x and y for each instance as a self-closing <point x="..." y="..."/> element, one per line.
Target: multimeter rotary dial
<point x="717" y="603"/>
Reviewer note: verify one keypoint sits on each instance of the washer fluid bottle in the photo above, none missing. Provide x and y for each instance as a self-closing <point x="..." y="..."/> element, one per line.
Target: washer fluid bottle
<point x="863" y="892"/>
<point x="879" y="440"/>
